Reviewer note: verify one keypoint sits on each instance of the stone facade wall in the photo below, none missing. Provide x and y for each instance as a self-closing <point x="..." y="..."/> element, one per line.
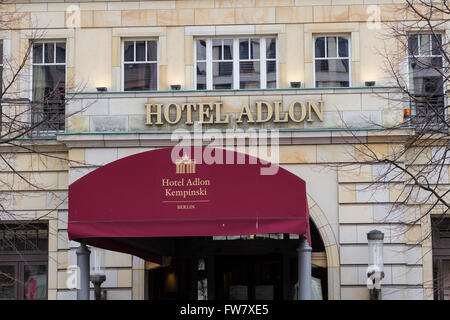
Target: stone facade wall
<point x="342" y="108"/>
<point x="175" y="24"/>
<point x="37" y="191"/>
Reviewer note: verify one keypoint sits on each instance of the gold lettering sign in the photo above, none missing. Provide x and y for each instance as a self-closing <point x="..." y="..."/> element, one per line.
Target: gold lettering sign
<point x="211" y="113"/>
<point x="186" y="190"/>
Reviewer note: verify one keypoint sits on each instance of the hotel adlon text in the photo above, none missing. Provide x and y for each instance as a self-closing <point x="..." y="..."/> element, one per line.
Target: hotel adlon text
<point x="211" y="113"/>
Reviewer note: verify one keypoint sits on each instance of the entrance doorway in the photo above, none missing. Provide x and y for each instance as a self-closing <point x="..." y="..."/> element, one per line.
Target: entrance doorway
<point x="256" y="277"/>
<point x="261" y="267"/>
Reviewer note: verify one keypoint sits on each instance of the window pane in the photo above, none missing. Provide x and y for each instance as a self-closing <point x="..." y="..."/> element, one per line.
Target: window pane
<point x="424" y="44"/>
<point x="21" y="240"/>
<point x="425" y="66"/>
<point x="255" y="48"/>
<point x="35" y="282"/>
<point x="228" y="49"/>
<point x="223" y="75"/>
<point x="249" y="74"/>
<point x="271" y="48"/>
<point x="128" y="49"/>
<point x="425" y="77"/>
<point x="60" y="52"/>
<point x="140" y="50"/>
<point x="49" y="52"/>
<point x="201" y="49"/>
<point x="8" y="241"/>
<point x="48" y="95"/>
<point x="331" y="47"/>
<point x="47" y="80"/>
<point x="42" y="241"/>
<point x="7" y="282"/>
<point x="31" y="240"/>
<point x="139" y="77"/>
<point x="201" y="75"/>
<point x="436" y="63"/>
<point x="1" y="52"/>
<point x="243" y="49"/>
<point x="427" y="87"/>
<point x="343" y="47"/>
<point x="271" y="74"/>
<point x="332" y="73"/>
<point x="37" y="52"/>
<point x="320" y="47"/>
<point x="436" y="43"/>
<point x="152" y="53"/>
<point x="217" y="49"/>
<point x="413" y="47"/>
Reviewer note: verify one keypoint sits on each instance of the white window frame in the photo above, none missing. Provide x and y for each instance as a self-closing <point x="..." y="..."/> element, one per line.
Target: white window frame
<point x="54" y="53"/>
<point x="32" y="63"/>
<point x="46" y="64"/>
<point x="423" y="55"/>
<point x="348" y="37"/>
<point x="444" y="63"/>
<point x="236" y="59"/>
<point x="123" y="62"/>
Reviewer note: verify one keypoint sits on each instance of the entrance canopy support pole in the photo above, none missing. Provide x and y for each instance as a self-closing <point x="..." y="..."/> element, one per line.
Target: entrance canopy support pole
<point x="83" y="254"/>
<point x="304" y="270"/>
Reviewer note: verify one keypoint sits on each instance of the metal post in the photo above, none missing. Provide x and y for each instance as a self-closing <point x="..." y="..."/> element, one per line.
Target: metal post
<point x="83" y="266"/>
<point x="304" y="270"/>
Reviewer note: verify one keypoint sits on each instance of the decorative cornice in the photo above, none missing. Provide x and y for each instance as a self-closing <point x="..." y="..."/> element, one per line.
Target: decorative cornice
<point x="286" y="137"/>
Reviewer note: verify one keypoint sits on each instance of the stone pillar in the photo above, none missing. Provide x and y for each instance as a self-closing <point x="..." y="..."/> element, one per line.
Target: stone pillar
<point x="83" y="254"/>
<point x="304" y="270"/>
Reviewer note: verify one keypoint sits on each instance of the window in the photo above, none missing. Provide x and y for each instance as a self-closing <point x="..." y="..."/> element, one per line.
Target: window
<point x="23" y="261"/>
<point x="332" y="61"/>
<point x="48" y="93"/>
<point x="244" y="63"/>
<point x="249" y="63"/>
<point x="140" y="65"/>
<point x="425" y="78"/>
<point x="441" y="257"/>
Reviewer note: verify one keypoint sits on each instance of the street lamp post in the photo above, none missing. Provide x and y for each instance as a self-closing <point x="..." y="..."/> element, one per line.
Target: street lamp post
<point x="98" y="275"/>
<point x="375" y="271"/>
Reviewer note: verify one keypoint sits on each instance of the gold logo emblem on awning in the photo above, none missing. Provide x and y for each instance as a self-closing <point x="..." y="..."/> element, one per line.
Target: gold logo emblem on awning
<point x="185" y="165"/>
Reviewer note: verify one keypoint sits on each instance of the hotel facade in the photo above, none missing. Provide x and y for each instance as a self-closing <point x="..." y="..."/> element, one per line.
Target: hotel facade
<point x="306" y="77"/>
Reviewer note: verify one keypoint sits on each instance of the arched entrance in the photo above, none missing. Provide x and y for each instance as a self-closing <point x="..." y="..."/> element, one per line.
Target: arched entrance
<point x="329" y="258"/>
<point x="160" y="204"/>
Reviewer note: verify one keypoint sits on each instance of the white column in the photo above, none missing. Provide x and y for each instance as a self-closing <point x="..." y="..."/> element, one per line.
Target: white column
<point x="83" y="254"/>
<point x="304" y="270"/>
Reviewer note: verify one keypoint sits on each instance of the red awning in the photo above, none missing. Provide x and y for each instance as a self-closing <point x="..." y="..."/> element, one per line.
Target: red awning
<point x="148" y="195"/>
